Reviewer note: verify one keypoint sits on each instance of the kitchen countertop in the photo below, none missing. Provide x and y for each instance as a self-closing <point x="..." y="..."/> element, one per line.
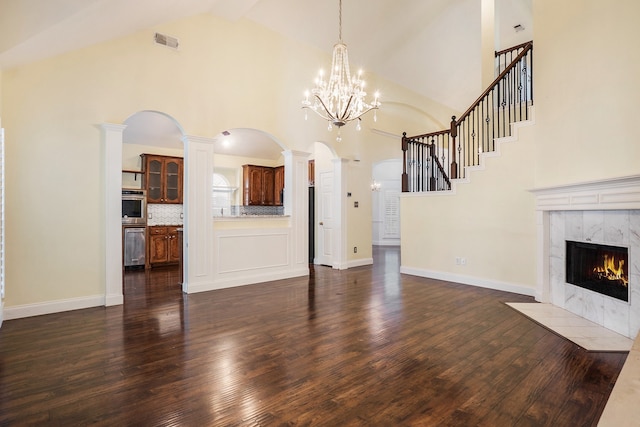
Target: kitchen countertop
<point x="243" y="217"/>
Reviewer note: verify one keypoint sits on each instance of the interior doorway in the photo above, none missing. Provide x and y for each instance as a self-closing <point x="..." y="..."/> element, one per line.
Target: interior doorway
<point x="153" y="140"/>
<point x="387" y="187"/>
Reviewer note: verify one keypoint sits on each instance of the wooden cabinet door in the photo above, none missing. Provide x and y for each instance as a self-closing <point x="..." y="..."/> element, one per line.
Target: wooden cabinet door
<point x="174" y="244"/>
<point x="251" y="185"/>
<point x="158" y="245"/>
<point x="153" y="179"/>
<point x="258" y="185"/>
<point x="163" y="178"/>
<point x="268" y="193"/>
<point x="172" y="180"/>
<point x="278" y="185"/>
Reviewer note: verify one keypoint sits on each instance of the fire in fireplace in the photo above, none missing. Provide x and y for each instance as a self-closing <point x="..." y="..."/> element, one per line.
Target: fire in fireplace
<point x="599" y="268"/>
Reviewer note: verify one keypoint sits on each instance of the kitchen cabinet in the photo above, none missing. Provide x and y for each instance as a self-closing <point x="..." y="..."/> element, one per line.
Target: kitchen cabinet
<point x="164" y="245"/>
<point x="278" y="183"/>
<point x="258" y="185"/>
<point x="162" y="178"/>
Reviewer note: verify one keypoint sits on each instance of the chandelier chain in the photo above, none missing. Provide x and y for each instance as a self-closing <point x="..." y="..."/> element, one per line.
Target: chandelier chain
<point x="340" y="20"/>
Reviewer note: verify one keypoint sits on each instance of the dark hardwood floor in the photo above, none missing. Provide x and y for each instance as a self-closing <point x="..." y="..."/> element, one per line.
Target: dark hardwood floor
<point x="360" y="347"/>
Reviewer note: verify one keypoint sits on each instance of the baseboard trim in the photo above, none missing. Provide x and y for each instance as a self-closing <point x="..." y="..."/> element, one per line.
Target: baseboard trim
<point x="246" y="280"/>
<point x="114" y="300"/>
<point x="49" y="307"/>
<point x="387" y="242"/>
<point x="359" y="262"/>
<point x="471" y="281"/>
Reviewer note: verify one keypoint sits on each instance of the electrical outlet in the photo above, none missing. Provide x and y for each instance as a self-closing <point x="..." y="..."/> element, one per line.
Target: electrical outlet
<point x="463" y="261"/>
<point x="458" y="260"/>
<point x="355" y="249"/>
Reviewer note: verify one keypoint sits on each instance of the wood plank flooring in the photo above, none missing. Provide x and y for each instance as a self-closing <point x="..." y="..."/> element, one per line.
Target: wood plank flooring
<point x="360" y="347"/>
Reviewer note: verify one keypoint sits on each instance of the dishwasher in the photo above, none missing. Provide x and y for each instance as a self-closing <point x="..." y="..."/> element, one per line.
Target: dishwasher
<point x="134" y="246"/>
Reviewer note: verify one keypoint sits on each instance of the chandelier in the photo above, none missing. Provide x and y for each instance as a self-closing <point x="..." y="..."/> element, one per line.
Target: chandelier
<point x="341" y="98"/>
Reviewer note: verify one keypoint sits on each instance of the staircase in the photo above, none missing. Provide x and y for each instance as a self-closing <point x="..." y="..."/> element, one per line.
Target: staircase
<point x="432" y="161"/>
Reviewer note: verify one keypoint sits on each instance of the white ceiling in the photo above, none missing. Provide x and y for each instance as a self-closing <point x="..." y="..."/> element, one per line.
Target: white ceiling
<point x="430" y="46"/>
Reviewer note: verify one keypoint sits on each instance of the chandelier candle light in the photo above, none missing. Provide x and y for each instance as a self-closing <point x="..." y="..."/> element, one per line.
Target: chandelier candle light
<point x="341" y="98"/>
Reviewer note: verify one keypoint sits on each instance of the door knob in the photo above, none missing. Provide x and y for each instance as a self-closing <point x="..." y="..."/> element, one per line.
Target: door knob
<point x="321" y="223"/>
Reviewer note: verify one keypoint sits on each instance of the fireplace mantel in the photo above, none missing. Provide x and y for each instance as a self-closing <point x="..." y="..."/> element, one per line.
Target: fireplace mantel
<point x="615" y="193"/>
<point x="605" y="211"/>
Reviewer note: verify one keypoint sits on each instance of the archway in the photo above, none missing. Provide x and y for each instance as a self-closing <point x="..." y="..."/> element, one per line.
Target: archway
<point x="144" y="127"/>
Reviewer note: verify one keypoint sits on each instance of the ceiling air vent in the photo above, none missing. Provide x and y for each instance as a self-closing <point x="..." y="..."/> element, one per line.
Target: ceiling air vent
<point x="166" y="40"/>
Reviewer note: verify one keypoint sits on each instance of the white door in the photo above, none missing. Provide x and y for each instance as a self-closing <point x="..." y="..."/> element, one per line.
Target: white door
<point x="325" y="209"/>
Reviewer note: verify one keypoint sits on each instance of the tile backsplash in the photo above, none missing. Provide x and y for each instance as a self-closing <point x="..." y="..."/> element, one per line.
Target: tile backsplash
<point x="237" y="210"/>
<point x="164" y="214"/>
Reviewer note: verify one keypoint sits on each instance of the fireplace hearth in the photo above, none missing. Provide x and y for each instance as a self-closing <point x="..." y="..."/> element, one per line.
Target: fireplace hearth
<point x="599" y="268"/>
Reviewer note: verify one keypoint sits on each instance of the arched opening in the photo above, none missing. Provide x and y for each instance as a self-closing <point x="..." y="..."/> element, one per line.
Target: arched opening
<point x="156" y="132"/>
<point x="153" y="141"/>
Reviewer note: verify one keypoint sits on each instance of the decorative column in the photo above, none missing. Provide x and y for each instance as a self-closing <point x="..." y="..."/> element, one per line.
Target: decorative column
<point x="197" y="247"/>
<point x="296" y="202"/>
<point x="112" y="146"/>
<point x="340" y="205"/>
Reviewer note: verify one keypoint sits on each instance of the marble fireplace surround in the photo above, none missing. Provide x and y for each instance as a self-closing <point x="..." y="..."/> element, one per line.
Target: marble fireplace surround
<point x="606" y="212"/>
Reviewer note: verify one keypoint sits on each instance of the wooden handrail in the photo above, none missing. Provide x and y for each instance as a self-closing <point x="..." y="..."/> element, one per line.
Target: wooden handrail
<point x="520" y="46"/>
<point x="497" y="80"/>
<point x="427" y="135"/>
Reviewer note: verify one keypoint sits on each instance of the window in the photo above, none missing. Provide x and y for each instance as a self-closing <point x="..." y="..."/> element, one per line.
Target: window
<point x="221" y="195"/>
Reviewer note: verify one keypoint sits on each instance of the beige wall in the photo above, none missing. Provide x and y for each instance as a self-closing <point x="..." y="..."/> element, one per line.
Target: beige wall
<point x="586" y="90"/>
<point x="587" y="86"/>
<point x="490" y="222"/>
<point x="216" y="81"/>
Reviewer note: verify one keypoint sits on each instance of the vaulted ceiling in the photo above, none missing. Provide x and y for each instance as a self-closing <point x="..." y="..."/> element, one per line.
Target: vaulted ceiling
<point x="426" y="45"/>
<point x="429" y="46"/>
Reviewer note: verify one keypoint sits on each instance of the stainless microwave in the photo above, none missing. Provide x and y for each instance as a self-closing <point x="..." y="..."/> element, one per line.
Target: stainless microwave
<point x="134" y="207"/>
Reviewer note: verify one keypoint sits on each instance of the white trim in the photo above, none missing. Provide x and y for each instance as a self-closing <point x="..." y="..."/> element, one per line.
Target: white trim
<point x="609" y="194"/>
<point x="387" y="242"/>
<point x="57" y="306"/>
<point x="249" y="279"/>
<point x="112" y="151"/>
<point x="198" y="250"/>
<point x="359" y="262"/>
<point x="469" y="280"/>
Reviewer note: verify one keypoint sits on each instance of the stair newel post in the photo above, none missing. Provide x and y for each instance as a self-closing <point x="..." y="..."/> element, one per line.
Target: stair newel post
<point x="454" y="134"/>
<point x="432" y="156"/>
<point x="405" y="176"/>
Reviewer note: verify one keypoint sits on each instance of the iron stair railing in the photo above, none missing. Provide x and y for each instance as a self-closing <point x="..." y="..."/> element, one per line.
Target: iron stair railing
<point x="432" y="160"/>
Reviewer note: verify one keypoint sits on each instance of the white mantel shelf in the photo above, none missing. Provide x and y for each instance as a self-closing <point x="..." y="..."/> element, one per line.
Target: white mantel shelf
<point x="608" y="194"/>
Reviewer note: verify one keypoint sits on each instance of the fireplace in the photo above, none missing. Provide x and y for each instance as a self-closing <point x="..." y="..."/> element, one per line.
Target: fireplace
<point x="605" y="212"/>
<point x="599" y="268"/>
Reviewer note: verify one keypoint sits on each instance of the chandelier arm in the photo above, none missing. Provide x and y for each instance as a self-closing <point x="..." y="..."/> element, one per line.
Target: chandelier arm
<point x="329" y="116"/>
<point x="346" y="109"/>
<point x="364" y="112"/>
<point x="325" y="117"/>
